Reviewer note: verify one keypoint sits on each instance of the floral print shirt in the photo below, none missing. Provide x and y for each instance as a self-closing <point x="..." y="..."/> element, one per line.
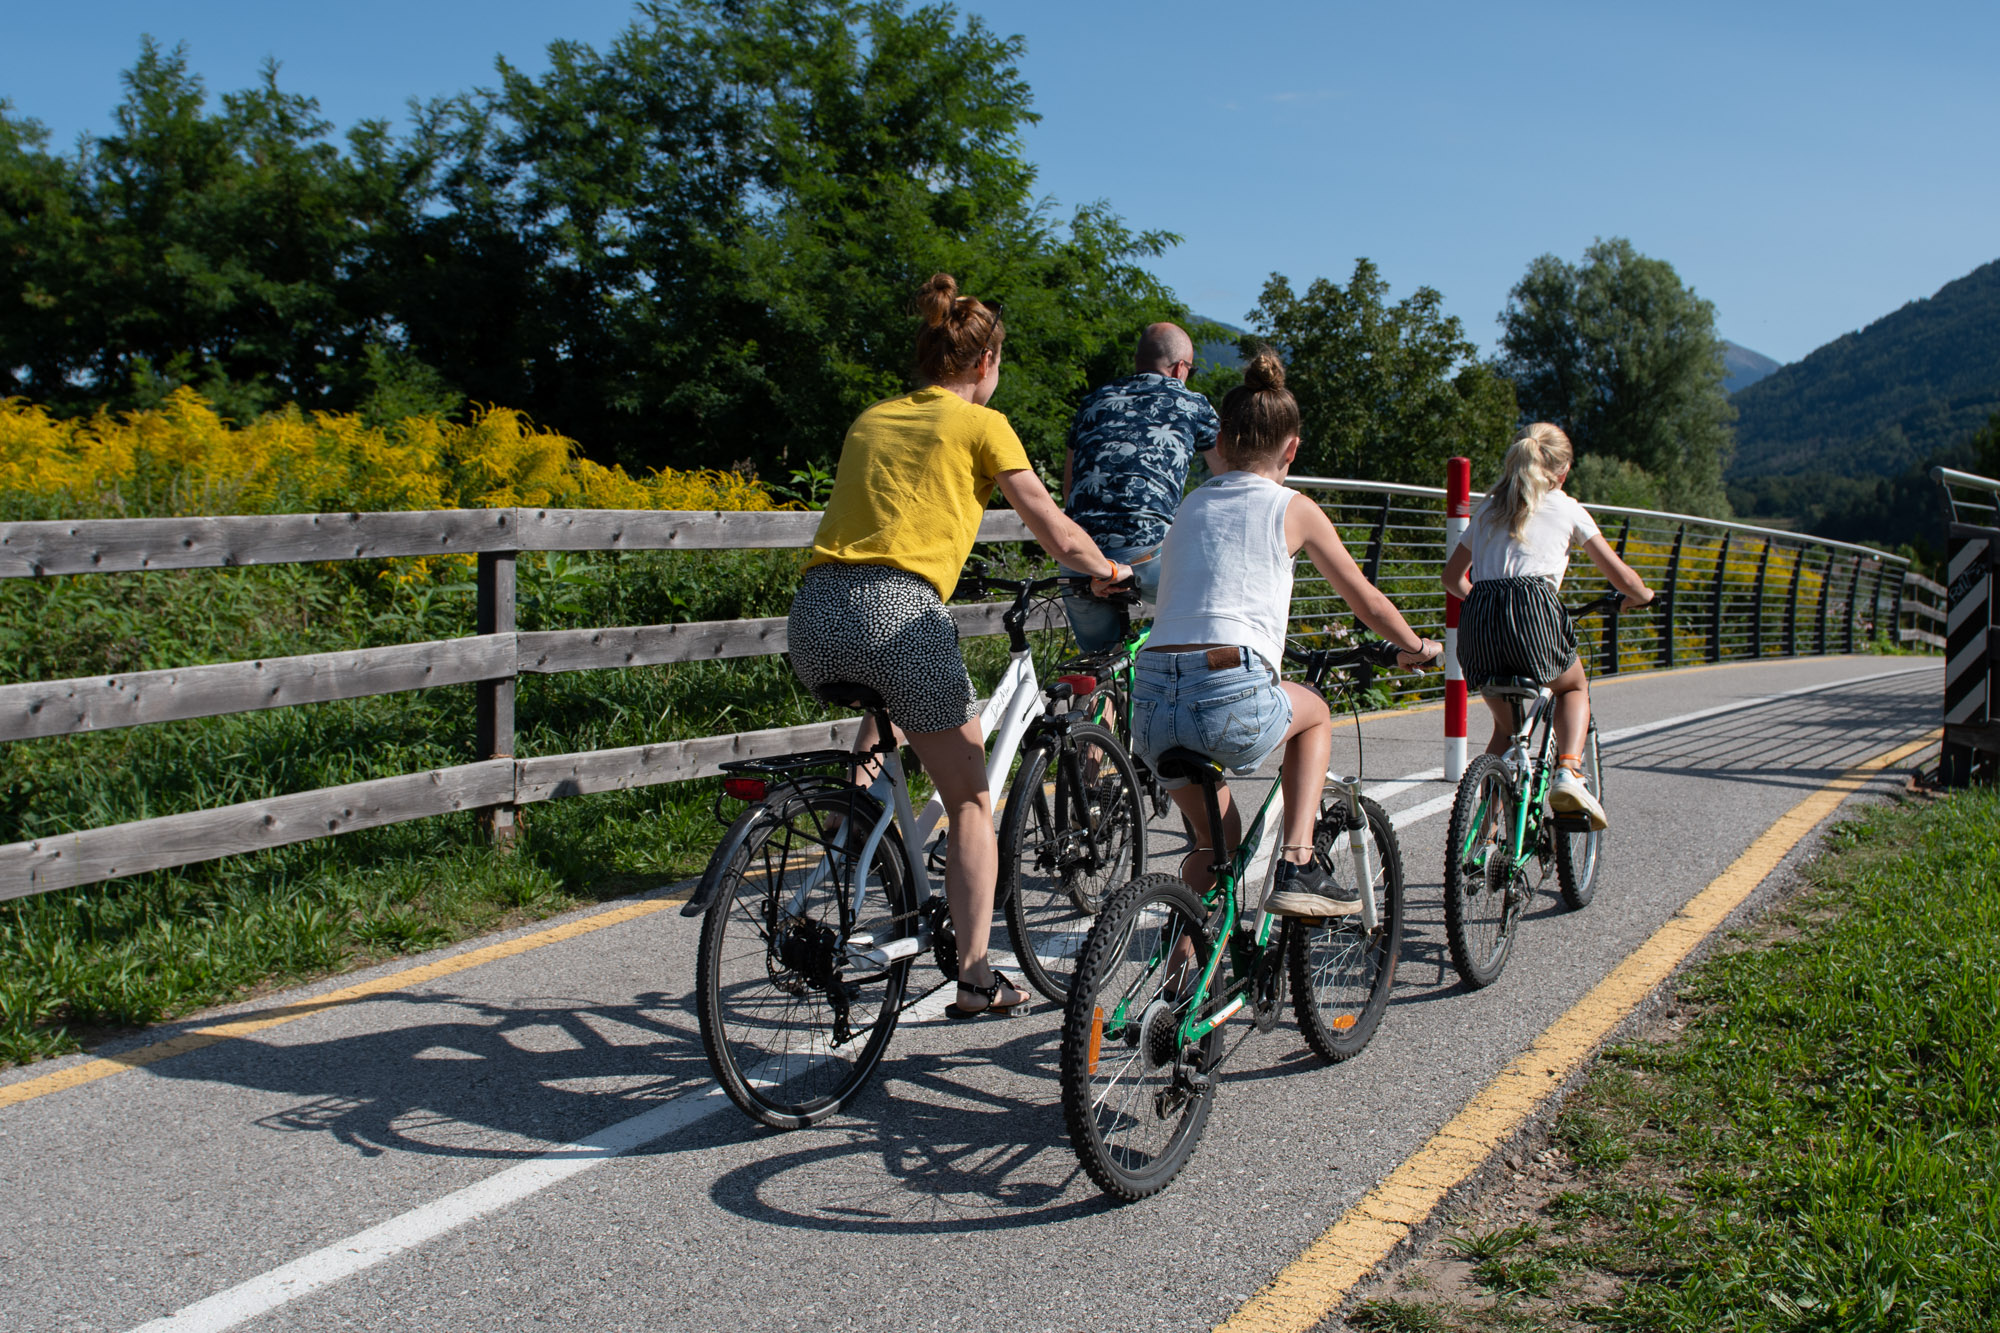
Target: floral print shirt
<point x="1130" y="448"/>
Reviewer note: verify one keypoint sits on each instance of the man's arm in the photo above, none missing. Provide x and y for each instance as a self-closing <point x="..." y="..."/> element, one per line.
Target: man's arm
<point x="1069" y="461"/>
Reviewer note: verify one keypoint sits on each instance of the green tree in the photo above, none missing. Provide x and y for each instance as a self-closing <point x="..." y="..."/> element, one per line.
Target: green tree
<point x="710" y="232"/>
<point x="1625" y="358"/>
<point x="227" y="249"/>
<point x="1387" y="392"/>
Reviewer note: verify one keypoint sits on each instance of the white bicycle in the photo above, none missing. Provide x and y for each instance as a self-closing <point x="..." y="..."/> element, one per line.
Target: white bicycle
<point x="821" y="896"/>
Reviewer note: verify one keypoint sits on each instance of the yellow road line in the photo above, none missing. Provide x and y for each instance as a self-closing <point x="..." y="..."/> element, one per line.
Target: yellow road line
<point x="1312" y="1286"/>
<point x="195" y="1039"/>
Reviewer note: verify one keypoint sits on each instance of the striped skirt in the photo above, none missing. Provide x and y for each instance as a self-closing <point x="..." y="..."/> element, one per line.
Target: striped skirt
<point x="1514" y="627"/>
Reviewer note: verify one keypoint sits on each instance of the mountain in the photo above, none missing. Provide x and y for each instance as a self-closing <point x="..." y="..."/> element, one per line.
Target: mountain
<point x="1219" y="350"/>
<point x="1873" y="403"/>
<point x="1743" y="367"/>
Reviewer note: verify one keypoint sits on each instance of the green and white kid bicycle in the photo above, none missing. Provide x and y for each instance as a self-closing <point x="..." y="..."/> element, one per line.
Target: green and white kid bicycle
<point x="1504" y="838"/>
<point x="1165" y="969"/>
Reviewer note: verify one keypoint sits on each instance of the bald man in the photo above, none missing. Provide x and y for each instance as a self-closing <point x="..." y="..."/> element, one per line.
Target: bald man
<point x="1127" y="464"/>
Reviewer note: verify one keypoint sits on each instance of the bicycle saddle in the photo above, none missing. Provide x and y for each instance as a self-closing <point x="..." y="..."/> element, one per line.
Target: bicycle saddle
<point x="1180" y="763"/>
<point x="1512" y="687"/>
<point x="848" y="694"/>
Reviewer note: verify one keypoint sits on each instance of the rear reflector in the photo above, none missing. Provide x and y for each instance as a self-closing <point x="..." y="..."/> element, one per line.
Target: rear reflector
<point x="1081" y="684"/>
<point x="744" y="789"/>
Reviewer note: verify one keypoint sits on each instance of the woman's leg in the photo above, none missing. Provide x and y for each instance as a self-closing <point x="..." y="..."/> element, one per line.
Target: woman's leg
<point x="1572" y="705"/>
<point x="1503" y="726"/>
<point x="1308" y="747"/>
<point x="1195" y="871"/>
<point x="956" y="761"/>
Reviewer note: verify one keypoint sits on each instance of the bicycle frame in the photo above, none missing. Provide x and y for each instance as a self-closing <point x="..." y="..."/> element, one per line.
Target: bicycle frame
<point x="1002" y="723"/>
<point x="1251" y="863"/>
<point x="1530" y="773"/>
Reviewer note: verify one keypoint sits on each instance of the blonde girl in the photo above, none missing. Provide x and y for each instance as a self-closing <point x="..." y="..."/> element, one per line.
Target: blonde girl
<point x="1509" y="569"/>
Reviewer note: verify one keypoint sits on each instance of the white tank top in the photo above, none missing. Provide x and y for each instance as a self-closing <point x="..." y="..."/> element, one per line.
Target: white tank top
<point x="1225" y="572"/>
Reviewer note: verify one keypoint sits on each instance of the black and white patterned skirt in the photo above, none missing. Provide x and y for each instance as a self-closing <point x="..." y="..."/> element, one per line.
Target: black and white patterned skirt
<point x="1514" y="627"/>
<point x="886" y="629"/>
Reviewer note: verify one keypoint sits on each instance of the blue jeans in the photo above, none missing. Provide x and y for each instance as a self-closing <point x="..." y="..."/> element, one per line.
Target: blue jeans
<point x="1236" y="716"/>
<point x="1095" y="622"/>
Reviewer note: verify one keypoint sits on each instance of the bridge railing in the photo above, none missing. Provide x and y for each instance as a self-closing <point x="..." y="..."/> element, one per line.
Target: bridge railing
<point x="1727" y="591"/>
<point x="1777" y="593"/>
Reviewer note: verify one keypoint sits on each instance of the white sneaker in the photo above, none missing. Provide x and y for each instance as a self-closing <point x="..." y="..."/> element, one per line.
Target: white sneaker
<point x="1568" y="794"/>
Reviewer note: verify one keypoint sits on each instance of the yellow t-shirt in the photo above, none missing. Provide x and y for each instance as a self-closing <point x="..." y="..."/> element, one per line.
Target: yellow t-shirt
<point x="914" y="476"/>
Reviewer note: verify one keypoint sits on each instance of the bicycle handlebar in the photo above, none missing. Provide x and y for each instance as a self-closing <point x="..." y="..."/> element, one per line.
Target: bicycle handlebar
<point x="1125" y="593"/>
<point x="1609" y="602"/>
<point x="1318" y="662"/>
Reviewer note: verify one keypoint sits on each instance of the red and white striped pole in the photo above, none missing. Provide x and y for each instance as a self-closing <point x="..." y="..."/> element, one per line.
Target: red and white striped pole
<point x="1457" y="513"/>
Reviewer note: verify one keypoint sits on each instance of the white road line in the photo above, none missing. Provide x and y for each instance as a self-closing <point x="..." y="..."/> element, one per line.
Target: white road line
<point x="365" y="1249"/>
<point x="1437" y="805"/>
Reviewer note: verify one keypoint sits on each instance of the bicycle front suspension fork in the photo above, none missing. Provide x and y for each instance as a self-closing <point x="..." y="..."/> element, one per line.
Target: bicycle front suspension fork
<point x="1361" y="848"/>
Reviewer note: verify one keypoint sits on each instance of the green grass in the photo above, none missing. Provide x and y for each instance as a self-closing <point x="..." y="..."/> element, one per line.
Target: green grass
<point x="1820" y="1148"/>
<point x="145" y="948"/>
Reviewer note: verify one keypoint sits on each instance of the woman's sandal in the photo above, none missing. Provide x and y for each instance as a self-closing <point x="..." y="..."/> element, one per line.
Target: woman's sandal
<point x="991" y="993"/>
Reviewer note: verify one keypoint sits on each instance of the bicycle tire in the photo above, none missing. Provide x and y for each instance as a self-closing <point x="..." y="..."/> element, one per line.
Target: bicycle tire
<point x="1056" y="870"/>
<point x="1481" y="906"/>
<point x="1578" y="855"/>
<point x="791" y="1036"/>
<point x="1341" y="974"/>
<point x="1119" y="1077"/>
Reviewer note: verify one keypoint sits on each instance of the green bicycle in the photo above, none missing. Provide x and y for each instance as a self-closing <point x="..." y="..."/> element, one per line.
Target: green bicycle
<point x="1503" y="836"/>
<point x="1164" y="969"/>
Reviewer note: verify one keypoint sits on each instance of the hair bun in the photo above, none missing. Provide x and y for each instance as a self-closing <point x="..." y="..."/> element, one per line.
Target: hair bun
<point x="936" y="298"/>
<point x="1264" y="372"/>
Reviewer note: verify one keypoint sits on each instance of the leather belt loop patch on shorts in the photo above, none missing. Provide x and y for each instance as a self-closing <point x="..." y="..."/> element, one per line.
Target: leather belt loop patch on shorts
<point x="1221" y="659"/>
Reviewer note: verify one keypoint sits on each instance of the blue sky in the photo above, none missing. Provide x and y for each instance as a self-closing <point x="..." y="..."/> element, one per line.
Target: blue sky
<point x="1806" y="167"/>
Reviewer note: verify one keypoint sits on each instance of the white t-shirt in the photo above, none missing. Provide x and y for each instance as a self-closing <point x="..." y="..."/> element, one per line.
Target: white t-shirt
<point x="1557" y="524"/>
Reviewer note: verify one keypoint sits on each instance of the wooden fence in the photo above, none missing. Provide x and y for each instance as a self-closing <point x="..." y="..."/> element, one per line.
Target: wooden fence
<point x="491" y="659"/>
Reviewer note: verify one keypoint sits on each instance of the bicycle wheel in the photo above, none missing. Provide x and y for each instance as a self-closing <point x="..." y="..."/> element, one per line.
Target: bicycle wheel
<point x="1577" y="854"/>
<point x="1134" y="1099"/>
<point x="794" y="1023"/>
<point x="1482" y="903"/>
<point x="1342" y="973"/>
<point x="1073" y="831"/>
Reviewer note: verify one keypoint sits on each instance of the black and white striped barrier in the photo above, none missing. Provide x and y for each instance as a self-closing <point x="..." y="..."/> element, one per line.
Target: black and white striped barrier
<point x="1972" y="629"/>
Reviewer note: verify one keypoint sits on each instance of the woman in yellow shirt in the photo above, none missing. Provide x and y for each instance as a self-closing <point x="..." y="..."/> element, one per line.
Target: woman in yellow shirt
<point x="914" y="476"/>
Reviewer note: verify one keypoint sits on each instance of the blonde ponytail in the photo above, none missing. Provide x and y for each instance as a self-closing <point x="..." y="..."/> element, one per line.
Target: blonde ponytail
<point x="1533" y="463"/>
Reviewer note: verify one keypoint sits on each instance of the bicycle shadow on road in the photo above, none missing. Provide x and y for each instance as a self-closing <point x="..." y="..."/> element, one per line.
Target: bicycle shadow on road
<point x="942" y="1142"/>
<point x="476" y="1078"/>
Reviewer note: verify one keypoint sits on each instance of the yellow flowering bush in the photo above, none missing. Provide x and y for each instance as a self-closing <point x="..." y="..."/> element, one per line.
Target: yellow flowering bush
<point x="181" y="458"/>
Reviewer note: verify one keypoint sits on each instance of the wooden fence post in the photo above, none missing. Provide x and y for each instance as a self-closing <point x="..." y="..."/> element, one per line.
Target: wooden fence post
<point x="1715" y="600"/>
<point x="494" y="727"/>
<point x="1666" y="613"/>
<point x="1757" y="620"/>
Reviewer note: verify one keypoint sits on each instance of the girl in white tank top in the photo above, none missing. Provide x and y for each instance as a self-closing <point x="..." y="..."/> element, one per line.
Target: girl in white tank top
<point x="1208" y="680"/>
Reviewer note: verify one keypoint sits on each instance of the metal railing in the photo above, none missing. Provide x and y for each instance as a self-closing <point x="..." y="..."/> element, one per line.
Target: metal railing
<point x="1730" y="592"/>
<point x="1727" y="591"/>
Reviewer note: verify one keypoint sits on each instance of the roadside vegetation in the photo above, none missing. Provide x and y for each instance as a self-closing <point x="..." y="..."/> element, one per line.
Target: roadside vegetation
<point x="1810" y="1142"/>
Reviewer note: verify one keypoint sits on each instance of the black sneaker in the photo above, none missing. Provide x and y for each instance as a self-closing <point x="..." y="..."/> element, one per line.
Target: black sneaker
<point x="1309" y="891"/>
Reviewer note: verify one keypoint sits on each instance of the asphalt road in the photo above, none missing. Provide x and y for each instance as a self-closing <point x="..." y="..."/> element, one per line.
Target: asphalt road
<point x="401" y="1162"/>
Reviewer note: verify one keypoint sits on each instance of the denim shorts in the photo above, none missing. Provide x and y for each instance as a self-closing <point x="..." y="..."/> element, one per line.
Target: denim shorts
<point x="1235" y="715"/>
<point x="1094" y="622"/>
